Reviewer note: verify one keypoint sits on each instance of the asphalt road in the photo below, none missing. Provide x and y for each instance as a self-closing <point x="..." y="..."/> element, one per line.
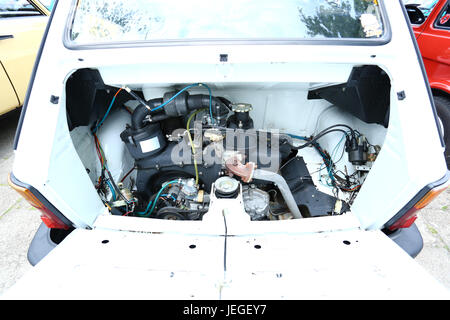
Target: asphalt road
<point x="19" y="221"/>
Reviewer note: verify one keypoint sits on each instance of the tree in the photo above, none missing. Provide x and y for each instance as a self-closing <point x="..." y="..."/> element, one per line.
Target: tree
<point x="336" y="19"/>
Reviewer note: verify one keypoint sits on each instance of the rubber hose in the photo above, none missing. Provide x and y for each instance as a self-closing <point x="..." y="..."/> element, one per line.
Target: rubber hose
<point x="139" y="114"/>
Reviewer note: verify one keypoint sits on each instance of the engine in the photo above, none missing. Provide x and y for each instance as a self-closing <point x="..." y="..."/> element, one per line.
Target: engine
<point x="184" y="144"/>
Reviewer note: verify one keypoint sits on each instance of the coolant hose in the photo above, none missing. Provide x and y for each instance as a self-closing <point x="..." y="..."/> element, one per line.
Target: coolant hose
<point x="141" y="111"/>
<point x="185" y="103"/>
<point x="182" y="105"/>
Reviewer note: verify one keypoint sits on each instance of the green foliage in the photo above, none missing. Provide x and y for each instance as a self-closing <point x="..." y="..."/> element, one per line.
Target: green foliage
<point x="333" y="20"/>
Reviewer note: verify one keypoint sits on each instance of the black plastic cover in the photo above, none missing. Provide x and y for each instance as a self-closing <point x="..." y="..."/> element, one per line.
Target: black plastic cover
<point x="366" y="94"/>
<point x="312" y="202"/>
<point x="144" y="142"/>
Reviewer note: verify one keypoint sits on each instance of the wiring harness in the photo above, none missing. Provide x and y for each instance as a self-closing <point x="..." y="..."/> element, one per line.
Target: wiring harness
<point x="351" y="141"/>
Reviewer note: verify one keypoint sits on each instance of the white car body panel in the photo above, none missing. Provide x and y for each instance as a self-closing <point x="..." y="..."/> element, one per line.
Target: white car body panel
<point x="163" y="266"/>
<point x="304" y="258"/>
<point x="245" y="65"/>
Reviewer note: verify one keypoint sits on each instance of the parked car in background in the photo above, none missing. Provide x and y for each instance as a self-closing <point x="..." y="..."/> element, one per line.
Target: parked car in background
<point x="430" y="20"/>
<point x="22" y="24"/>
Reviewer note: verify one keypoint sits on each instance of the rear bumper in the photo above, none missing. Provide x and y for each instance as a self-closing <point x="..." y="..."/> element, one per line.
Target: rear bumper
<point x="409" y="239"/>
<point x="44" y="241"/>
<point x="41" y="245"/>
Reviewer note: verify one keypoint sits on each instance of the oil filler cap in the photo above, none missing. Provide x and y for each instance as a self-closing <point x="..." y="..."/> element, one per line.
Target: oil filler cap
<point x="241" y="107"/>
<point x="226" y="187"/>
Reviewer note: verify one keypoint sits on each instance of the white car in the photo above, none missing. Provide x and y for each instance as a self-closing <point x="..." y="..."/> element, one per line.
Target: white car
<point x="235" y="150"/>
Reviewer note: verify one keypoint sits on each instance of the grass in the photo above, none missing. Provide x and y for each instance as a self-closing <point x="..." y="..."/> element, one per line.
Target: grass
<point x="431" y="229"/>
<point x="436" y="233"/>
<point x="10" y="208"/>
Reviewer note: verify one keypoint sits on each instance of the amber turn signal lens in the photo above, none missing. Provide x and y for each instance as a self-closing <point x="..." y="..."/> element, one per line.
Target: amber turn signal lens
<point x="47" y="216"/>
<point x="26" y="194"/>
<point x="410" y="216"/>
<point x="430" y="196"/>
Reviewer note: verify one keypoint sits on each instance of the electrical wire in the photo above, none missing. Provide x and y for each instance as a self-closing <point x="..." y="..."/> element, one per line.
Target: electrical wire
<point x="146" y="209"/>
<point x="160" y="106"/>
<point x="333" y="128"/>
<point x="109" y="179"/>
<point x="153" y="200"/>
<point x="112" y="190"/>
<point x="347" y="184"/>
<point x="104" y="167"/>
<point x="127" y="174"/>
<point x="192" y="143"/>
<point x="321" y="115"/>
<point x="110" y="182"/>
<point x="330" y="163"/>
<point x="134" y="95"/>
<point x="352" y="189"/>
<point x="117" y="189"/>
<point x="169" y="195"/>
<point x="317" y="137"/>
<point x="107" y="112"/>
<point x="159" y="193"/>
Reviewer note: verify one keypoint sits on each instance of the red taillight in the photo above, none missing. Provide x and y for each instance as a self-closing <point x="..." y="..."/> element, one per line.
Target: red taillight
<point x="406" y="220"/>
<point x="47" y="216"/>
<point x="51" y="220"/>
<point x="410" y="216"/>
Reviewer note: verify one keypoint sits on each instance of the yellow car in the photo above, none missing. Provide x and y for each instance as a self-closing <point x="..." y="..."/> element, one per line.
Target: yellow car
<point x="22" y="24"/>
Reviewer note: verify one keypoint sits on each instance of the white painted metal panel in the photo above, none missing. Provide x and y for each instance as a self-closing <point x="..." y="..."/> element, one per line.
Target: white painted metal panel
<point x="165" y="266"/>
<point x="339" y="265"/>
<point x="129" y="266"/>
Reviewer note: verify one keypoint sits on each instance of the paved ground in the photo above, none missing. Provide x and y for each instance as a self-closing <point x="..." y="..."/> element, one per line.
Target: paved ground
<point x="19" y="221"/>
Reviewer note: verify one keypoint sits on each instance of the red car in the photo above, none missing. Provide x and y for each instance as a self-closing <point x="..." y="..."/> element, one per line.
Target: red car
<point x="430" y="20"/>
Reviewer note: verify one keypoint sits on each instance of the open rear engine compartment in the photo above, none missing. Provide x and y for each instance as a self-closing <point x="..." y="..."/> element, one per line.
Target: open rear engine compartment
<point x="286" y="150"/>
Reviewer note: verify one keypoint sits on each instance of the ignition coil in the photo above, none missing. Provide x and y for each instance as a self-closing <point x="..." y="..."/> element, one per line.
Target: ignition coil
<point x="357" y="149"/>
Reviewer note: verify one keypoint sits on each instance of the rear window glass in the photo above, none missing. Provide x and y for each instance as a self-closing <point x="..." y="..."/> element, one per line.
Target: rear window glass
<point x="106" y="21"/>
